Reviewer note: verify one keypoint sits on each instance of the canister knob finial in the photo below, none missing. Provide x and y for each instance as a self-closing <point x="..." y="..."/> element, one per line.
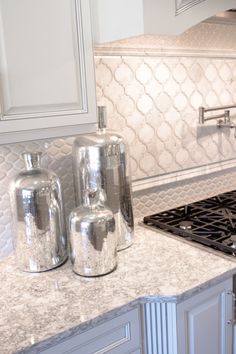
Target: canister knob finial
<point x="32" y="159"/>
<point x="102" y="117"/>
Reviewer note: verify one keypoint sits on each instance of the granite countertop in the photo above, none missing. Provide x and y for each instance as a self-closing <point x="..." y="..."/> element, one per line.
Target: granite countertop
<point x="35" y="307"/>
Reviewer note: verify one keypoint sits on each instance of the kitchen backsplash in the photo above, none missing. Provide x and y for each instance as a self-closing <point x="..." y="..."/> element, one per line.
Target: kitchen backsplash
<point x="154" y="102"/>
<point x="152" y="96"/>
<point x="172" y="195"/>
<point x="153" y="91"/>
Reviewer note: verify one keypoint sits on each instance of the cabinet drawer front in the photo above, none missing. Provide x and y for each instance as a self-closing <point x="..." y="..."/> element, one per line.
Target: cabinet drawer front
<point x="119" y="335"/>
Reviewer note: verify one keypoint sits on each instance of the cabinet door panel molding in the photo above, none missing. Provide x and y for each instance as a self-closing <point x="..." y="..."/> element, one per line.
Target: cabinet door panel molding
<point x="204" y="324"/>
<point x="46" y="65"/>
<point x="30" y="81"/>
<point x="119" y="335"/>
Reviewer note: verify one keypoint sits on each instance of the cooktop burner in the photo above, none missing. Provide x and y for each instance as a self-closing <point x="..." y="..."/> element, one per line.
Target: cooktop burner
<point x="211" y="222"/>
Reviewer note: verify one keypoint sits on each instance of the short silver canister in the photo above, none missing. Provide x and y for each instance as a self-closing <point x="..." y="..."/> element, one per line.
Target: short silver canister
<point x="93" y="240"/>
<point x="38" y="218"/>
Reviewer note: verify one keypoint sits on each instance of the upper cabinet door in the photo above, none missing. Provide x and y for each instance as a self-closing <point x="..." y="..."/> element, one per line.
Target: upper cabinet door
<point x="46" y="69"/>
<point x="114" y="20"/>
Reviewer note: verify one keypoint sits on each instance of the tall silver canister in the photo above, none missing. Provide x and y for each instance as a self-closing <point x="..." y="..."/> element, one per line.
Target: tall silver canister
<point x="40" y="238"/>
<point x="93" y="242"/>
<point x="107" y="156"/>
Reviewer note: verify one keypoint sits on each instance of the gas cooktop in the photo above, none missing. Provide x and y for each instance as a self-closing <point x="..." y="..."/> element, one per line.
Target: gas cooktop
<point x="211" y="222"/>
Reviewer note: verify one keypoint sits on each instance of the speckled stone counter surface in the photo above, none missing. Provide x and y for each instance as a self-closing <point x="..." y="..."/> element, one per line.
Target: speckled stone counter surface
<point x="35" y="307"/>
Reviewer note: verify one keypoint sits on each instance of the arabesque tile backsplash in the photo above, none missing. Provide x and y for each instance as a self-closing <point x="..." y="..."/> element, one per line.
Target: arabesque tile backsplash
<point x="153" y="100"/>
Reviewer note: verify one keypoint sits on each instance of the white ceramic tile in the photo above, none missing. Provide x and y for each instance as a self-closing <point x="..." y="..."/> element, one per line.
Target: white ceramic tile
<point x="225" y="72"/>
<point x="211" y="99"/>
<point x="196" y="72"/>
<point x="179" y="73"/>
<point x="134" y="90"/>
<point x="180" y="101"/>
<point x="211" y="72"/>
<point x="144" y="104"/>
<point x="124" y="74"/>
<point x="162" y="73"/>
<point x="164" y="131"/>
<point x="144" y="73"/>
<point x="125" y="105"/>
<point x="147" y="163"/>
<point x="146" y="134"/>
<point x="166" y="159"/>
<point x="196" y="100"/>
<point x="163" y="102"/>
<point x="104" y="75"/>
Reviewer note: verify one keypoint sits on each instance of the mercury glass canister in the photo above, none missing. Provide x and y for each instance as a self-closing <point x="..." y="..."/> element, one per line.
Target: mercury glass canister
<point x="39" y="229"/>
<point x="93" y="242"/>
<point x="106" y="152"/>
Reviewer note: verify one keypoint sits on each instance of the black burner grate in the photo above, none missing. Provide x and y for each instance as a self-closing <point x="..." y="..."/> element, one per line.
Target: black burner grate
<point x="210" y="222"/>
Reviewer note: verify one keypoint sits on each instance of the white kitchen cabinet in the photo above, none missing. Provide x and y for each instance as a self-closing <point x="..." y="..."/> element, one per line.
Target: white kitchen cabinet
<point x="200" y="325"/>
<point x="114" y="20"/>
<point x="121" y="335"/>
<point x="46" y="69"/>
<point x="205" y="322"/>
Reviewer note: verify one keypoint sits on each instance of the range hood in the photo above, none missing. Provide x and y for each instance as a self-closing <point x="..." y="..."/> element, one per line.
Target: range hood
<point x="114" y="20"/>
<point x="226" y="17"/>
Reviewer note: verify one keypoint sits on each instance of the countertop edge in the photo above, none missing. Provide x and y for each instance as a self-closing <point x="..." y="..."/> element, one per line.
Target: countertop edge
<point x="117" y="311"/>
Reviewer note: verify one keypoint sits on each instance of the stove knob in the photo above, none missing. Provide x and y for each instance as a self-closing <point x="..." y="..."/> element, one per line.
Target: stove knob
<point x="231" y="293"/>
<point x="233" y="239"/>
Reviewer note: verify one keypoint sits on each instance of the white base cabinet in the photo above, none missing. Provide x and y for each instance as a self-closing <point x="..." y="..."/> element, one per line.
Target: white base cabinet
<point x="203" y="324"/>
